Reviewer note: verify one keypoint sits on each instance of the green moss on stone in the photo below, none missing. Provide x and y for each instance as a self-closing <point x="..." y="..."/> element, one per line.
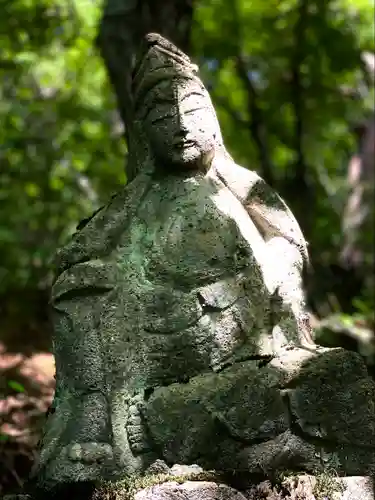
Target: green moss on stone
<point x="129" y="486"/>
<point x="327" y="485"/>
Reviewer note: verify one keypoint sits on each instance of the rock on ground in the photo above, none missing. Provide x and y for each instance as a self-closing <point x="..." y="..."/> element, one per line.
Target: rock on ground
<point x="299" y="487"/>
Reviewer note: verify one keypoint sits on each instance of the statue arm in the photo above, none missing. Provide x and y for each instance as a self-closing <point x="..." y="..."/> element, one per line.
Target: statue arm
<point x="267" y="209"/>
<point x="285" y="244"/>
<point x="273" y="217"/>
<point x="288" y="250"/>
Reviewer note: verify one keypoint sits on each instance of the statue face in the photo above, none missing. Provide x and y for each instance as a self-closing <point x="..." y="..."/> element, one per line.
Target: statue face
<point x="180" y="123"/>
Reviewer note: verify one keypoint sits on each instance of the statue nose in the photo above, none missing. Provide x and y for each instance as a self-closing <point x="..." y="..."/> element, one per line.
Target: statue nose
<point x="182" y="133"/>
<point x="185" y="122"/>
<point x="180" y="137"/>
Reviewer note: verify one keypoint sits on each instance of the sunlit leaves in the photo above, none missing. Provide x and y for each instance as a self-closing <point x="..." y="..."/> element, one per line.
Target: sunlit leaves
<point x="56" y="113"/>
<point x="330" y="48"/>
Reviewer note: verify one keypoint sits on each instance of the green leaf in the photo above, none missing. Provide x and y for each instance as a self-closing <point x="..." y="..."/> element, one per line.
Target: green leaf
<point x="16" y="386"/>
<point x="32" y="190"/>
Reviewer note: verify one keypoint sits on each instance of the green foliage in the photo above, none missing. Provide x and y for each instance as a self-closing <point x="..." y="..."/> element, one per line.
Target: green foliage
<point x="60" y="155"/>
<point x="61" y="151"/>
<point x="328" y="47"/>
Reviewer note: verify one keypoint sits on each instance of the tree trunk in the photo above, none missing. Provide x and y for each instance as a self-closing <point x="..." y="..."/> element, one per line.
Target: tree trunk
<point x="122" y="27"/>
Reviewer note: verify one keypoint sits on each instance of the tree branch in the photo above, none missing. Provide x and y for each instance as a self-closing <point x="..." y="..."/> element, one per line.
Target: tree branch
<point x="297" y="90"/>
<point x="235" y="115"/>
<point x="297" y="182"/>
<point x="242" y="122"/>
<point x="256" y="122"/>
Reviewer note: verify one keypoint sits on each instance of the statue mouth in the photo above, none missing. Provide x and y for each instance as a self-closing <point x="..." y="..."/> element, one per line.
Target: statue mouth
<point x="181" y="143"/>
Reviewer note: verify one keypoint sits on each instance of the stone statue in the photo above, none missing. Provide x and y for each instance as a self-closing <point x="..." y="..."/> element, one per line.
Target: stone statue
<point x="180" y="327"/>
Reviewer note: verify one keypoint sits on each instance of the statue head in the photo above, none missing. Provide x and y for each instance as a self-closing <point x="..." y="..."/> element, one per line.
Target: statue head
<point x="173" y="108"/>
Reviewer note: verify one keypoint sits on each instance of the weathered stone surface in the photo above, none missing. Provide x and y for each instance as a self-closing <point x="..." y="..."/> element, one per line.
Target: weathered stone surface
<point x="305" y="487"/>
<point x="291" y="487"/>
<point x="357" y="488"/>
<point x="289" y="421"/>
<point x="190" y="491"/>
<point x="17" y="497"/>
<point x="180" y="326"/>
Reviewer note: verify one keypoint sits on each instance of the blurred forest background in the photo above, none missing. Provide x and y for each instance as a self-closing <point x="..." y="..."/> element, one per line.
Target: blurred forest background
<point x="293" y="86"/>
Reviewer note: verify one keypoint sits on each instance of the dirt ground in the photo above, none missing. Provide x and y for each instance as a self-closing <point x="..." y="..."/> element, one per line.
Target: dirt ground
<point x="26" y="391"/>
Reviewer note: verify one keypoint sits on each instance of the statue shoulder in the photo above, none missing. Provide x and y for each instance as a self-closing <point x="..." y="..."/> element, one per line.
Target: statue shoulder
<point x="82" y="245"/>
<point x="83" y="223"/>
<point x="274" y="218"/>
<point x="97" y="235"/>
<point x="267" y="209"/>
